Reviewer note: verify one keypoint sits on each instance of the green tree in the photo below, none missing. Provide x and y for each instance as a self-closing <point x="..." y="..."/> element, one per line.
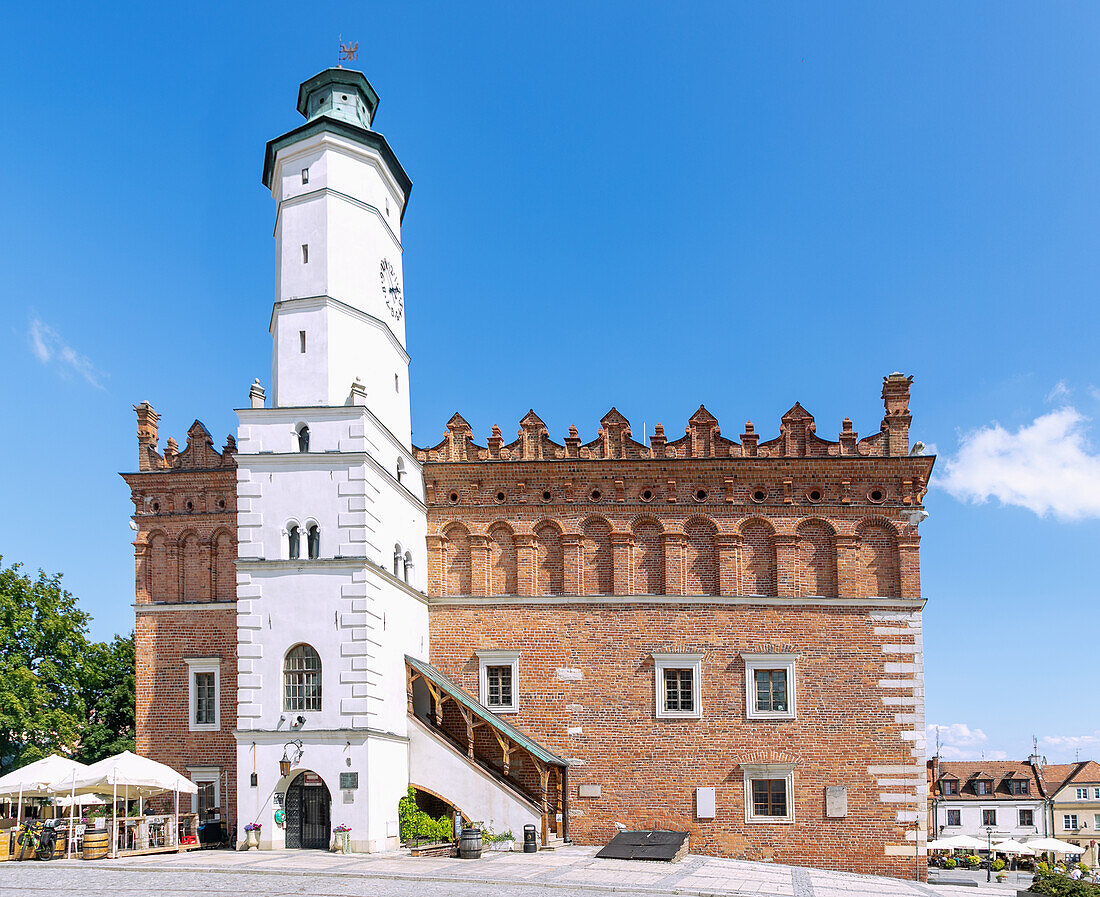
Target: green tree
<point x="43" y="638"/>
<point x="108" y="693"/>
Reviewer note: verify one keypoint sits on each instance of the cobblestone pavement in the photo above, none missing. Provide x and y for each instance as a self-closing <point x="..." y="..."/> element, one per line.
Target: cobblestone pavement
<point x="559" y="873"/>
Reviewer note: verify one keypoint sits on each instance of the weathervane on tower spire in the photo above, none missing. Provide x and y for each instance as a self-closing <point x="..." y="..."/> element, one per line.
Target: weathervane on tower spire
<point x="348" y="51"/>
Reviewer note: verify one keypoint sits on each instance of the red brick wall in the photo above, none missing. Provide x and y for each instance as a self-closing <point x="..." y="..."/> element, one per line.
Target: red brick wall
<point x="184" y="553"/>
<point x="162" y="641"/>
<point x="648" y="768"/>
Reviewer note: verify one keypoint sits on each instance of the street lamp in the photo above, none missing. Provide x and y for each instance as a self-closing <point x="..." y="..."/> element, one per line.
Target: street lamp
<point x="285" y="763"/>
<point x="989" y="850"/>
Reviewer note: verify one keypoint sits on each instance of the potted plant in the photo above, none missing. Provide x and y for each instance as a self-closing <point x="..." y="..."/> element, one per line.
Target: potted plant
<point x="505" y="841"/>
<point x="341" y="843"/>
<point x="950" y="863"/>
<point x="252" y="835"/>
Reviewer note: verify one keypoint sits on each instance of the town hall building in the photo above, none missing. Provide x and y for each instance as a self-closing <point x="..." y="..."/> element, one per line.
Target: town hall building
<point x="699" y="633"/>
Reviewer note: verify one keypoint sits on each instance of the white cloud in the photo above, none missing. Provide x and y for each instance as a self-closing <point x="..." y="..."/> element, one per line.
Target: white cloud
<point x="1059" y="392"/>
<point x="959" y="742"/>
<point x="1046" y="466"/>
<point x="48" y="347"/>
<point x="1072" y="742"/>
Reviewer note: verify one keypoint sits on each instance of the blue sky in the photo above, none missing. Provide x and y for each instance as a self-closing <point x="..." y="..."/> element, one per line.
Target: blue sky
<point x="645" y="205"/>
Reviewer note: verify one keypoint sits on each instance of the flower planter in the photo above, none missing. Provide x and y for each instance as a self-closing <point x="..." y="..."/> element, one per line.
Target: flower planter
<point x="503" y="846"/>
<point x="252" y="839"/>
<point x="341" y="842"/>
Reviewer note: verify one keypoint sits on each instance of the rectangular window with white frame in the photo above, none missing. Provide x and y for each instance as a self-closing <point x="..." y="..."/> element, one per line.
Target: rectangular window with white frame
<point x="770" y="691"/>
<point x="203" y="689"/>
<point x="1096" y="821"/>
<point x="954" y="817"/>
<point x="1069" y="822"/>
<point x="1027" y="818"/>
<point x="989" y="817"/>
<point x="1096" y="793"/>
<point x="769" y="792"/>
<point x="678" y="686"/>
<point x="1082" y="793"/>
<point x="498" y="679"/>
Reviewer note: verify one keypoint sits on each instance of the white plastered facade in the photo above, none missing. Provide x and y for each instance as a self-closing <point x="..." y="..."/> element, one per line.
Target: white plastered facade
<point x="346" y="603"/>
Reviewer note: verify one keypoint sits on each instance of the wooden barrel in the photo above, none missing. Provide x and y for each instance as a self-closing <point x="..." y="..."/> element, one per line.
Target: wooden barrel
<point x="469" y="845"/>
<point x="96" y="843"/>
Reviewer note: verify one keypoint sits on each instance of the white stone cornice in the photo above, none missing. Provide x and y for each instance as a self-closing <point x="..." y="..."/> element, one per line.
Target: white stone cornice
<point x="293" y="413"/>
<point x="258" y="461"/>
<point x="315" y="302"/>
<point x="328" y="191"/>
<point x="328" y="140"/>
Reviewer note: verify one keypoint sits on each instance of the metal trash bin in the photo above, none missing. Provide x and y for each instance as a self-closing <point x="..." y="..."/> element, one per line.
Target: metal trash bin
<point x="530" y="845"/>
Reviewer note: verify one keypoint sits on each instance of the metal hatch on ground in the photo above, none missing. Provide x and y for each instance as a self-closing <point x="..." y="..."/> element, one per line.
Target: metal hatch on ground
<point x="651" y="845"/>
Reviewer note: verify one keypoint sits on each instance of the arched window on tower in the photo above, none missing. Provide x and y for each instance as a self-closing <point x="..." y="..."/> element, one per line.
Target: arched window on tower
<point x="397" y="560"/>
<point x="303" y="438"/>
<point x="302" y="679"/>
<point x="408" y="565"/>
<point x="313" y="541"/>
<point x="294" y="541"/>
<point x="400" y="469"/>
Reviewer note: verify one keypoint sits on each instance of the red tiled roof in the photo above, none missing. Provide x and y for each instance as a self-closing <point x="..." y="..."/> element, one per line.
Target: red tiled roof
<point x="999" y="772"/>
<point x="1058" y="775"/>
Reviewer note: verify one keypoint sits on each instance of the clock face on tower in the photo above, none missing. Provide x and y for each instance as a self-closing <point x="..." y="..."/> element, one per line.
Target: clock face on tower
<point x="391" y="290"/>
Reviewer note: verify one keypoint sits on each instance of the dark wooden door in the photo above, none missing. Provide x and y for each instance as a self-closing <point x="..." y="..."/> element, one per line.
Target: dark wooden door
<point x="307" y="813"/>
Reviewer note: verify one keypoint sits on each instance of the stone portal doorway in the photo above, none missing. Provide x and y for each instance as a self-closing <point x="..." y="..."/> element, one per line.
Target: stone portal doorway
<point x="308" y="806"/>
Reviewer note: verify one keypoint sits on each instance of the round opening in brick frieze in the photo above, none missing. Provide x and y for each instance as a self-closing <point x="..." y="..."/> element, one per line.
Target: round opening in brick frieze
<point x="758" y="495"/>
<point x="156" y="506"/>
<point x="453" y="498"/>
<point x="595" y="495"/>
<point x="814" y="495"/>
<point x="876" y="495"/>
<point x="546" y="495"/>
<point x="190" y="506"/>
<point x="500" y="496"/>
<point x="221" y="504"/>
<point x="647" y="495"/>
<point x="700" y="494"/>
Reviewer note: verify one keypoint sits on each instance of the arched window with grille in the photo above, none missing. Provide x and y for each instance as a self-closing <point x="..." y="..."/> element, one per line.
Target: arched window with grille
<point x="408" y="565"/>
<point x="303" y="438"/>
<point x="400" y="469"/>
<point x="302" y="679"/>
<point x="294" y="541"/>
<point x="313" y="541"/>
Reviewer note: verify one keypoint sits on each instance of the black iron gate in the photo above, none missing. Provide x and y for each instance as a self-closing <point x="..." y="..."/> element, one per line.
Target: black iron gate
<point x="307" y="813"/>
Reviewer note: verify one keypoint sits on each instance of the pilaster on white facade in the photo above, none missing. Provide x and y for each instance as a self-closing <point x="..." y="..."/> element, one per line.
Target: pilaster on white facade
<point x="331" y="515"/>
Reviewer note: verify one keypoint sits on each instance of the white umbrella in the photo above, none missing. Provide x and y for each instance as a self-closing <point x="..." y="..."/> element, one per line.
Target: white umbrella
<point x="34" y="779"/>
<point x="1012" y="846"/>
<point x="1054" y="846"/>
<point x="141" y="775"/>
<point x="964" y="841"/>
<point x="941" y="844"/>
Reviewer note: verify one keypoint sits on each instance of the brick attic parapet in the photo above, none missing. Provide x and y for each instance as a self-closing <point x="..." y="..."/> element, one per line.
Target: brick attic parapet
<point x="702" y="438"/>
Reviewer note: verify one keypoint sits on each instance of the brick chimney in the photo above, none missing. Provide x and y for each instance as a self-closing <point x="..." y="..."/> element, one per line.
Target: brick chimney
<point x="147" y="420"/>
<point x="895" y="398"/>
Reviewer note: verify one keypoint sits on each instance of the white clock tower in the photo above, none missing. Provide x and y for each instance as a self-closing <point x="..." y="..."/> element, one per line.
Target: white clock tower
<point x="331" y="516"/>
<point x="339" y="291"/>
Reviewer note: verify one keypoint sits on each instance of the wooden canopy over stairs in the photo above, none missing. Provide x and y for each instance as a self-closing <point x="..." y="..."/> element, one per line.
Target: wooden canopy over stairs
<point x="499" y="748"/>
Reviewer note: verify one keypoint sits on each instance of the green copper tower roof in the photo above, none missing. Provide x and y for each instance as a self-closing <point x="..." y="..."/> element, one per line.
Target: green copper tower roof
<point x="339" y="101"/>
<point x="343" y="94"/>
